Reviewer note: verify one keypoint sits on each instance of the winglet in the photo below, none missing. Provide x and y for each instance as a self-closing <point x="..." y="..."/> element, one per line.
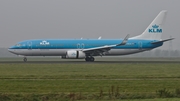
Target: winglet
<point x="124" y="41"/>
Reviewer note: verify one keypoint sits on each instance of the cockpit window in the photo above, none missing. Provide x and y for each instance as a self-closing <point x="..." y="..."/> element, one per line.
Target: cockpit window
<point x="18" y="45"/>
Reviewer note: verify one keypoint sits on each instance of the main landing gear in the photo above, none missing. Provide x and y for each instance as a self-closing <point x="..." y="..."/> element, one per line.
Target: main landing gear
<point x="89" y="59"/>
<point x="25" y="59"/>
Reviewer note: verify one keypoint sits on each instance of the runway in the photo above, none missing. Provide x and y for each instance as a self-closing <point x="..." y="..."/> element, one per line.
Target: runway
<point x="110" y="60"/>
<point x="84" y="62"/>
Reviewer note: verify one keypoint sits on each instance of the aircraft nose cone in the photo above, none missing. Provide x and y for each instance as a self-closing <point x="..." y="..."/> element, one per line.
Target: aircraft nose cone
<point x="14" y="51"/>
<point x="10" y="50"/>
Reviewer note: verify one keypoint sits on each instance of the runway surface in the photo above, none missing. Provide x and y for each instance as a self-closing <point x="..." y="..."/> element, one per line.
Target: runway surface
<point x="84" y="62"/>
<point x="45" y="60"/>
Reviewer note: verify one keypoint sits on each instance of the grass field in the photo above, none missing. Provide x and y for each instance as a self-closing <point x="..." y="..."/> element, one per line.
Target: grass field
<point x="90" y="81"/>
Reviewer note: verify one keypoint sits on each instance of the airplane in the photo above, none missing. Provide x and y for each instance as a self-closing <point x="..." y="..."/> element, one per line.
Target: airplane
<point x="89" y="48"/>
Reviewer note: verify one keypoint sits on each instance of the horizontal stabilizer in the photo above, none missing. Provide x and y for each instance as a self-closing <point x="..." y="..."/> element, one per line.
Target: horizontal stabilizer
<point x="162" y="41"/>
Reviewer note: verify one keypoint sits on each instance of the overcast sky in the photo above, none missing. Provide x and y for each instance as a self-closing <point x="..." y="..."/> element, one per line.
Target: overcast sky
<point x="48" y="19"/>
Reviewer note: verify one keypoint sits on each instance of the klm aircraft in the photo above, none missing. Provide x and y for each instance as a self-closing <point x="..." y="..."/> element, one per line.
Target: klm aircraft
<point x="89" y="48"/>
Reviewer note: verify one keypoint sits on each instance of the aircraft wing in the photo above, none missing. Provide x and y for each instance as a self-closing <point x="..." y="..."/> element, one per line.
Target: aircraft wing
<point x="100" y="50"/>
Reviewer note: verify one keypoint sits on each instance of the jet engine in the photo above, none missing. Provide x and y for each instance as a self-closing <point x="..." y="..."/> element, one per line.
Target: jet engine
<point x="74" y="54"/>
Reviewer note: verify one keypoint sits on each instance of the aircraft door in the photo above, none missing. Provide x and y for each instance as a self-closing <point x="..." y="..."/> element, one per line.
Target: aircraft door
<point x="80" y="46"/>
<point x="29" y="45"/>
<point x="140" y="45"/>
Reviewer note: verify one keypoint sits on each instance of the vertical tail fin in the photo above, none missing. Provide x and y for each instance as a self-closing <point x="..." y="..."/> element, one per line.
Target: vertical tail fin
<point x="155" y="29"/>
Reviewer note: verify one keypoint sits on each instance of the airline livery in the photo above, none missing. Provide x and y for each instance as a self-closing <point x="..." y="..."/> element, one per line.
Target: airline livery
<point x="88" y="48"/>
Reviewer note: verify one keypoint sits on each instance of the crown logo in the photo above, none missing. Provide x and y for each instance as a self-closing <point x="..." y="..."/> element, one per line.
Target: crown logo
<point x="73" y="54"/>
<point x="155" y="26"/>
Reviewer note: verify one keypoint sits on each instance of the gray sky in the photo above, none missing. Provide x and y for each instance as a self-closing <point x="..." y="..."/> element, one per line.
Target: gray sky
<point x="43" y="19"/>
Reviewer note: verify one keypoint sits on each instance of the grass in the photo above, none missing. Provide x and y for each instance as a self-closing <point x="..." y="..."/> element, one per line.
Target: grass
<point x="89" y="71"/>
<point x="157" y="99"/>
<point x="89" y="86"/>
<point x="89" y="81"/>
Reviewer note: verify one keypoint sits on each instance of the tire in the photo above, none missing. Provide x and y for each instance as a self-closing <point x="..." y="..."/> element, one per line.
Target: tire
<point x="92" y="59"/>
<point x="87" y="59"/>
<point x="25" y="59"/>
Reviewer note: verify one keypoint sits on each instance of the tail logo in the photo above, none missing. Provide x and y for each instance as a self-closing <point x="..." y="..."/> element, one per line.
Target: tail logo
<point x="155" y="29"/>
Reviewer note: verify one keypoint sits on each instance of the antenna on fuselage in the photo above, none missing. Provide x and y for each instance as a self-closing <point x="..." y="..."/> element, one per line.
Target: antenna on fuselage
<point x="99" y="38"/>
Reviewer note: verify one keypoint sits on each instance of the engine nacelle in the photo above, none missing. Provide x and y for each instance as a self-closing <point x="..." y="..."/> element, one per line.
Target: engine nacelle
<point x="74" y="54"/>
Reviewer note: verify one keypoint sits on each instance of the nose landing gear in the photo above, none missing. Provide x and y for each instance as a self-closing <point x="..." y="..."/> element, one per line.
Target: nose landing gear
<point x="25" y="59"/>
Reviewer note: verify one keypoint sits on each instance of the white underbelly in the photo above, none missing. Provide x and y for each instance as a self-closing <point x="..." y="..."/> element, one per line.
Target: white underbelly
<point x="62" y="52"/>
<point x="41" y="52"/>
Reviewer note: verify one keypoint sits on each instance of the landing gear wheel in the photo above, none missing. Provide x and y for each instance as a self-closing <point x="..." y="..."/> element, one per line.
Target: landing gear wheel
<point x="92" y="59"/>
<point x="25" y="59"/>
<point x="89" y="59"/>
